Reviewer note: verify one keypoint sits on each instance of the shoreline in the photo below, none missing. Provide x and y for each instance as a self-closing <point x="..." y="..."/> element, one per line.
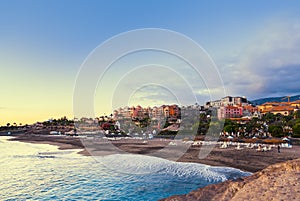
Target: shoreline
<point x="276" y="182"/>
<point x="246" y="159"/>
<point x="269" y="168"/>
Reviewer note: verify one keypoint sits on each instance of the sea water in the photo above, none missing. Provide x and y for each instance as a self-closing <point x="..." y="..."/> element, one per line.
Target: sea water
<point x="43" y="172"/>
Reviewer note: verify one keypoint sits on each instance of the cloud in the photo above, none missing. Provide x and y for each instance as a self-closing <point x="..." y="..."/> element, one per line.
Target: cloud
<point x="152" y="95"/>
<point x="269" y="66"/>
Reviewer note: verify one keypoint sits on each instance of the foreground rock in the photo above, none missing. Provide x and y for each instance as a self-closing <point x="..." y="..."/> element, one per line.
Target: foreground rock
<point x="277" y="182"/>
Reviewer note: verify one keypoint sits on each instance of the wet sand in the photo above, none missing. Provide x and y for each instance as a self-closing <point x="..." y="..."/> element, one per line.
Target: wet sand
<point x="245" y="159"/>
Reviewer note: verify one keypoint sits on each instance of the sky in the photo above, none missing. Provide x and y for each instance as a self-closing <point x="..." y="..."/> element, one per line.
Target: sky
<point x="255" y="46"/>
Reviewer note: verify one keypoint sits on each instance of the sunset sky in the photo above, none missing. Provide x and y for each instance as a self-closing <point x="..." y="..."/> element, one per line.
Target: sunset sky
<point x="254" y="44"/>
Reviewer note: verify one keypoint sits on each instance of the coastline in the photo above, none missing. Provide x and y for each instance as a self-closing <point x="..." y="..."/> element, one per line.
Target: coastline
<point x="245" y="159"/>
<point x="270" y="169"/>
<point x="276" y="182"/>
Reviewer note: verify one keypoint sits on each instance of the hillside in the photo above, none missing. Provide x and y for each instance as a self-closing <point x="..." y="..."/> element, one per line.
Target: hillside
<point x="274" y="99"/>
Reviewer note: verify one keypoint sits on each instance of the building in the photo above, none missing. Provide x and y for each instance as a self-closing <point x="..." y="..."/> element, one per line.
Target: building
<point x="267" y="106"/>
<point x="174" y="111"/>
<point x="225" y="112"/>
<point x="295" y="104"/>
<point x="278" y="109"/>
<point x="139" y="113"/>
<point x="156" y="112"/>
<point x="284" y="108"/>
<point x="251" y="109"/>
<point x="228" y="101"/>
<point x="234" y="101"/>
<point x="241" y="120"/>
<point x="216" y="103"/>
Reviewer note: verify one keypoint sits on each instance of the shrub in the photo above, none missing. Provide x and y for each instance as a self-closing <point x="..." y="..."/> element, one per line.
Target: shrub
<point x="296" y="130"/>
<point x="276" y="131"/>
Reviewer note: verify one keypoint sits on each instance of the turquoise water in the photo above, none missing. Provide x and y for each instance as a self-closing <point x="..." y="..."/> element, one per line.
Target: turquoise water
<point x="42" y="172"/>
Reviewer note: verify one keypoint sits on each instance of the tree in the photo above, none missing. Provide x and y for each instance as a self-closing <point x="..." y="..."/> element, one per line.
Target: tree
<point x="229" y="128"/>
<point x="296" y="130"/>
<point x="228" y="122"/>
<point x="251" y="127"/>
<point x="195" y="126"/>
<point x="269" y="117"/>
<point x="288" y="118"/>
<point x="276" y="130"/>
<point x="216" y="126"/>
<point x="291" y="123"/>
<point x="297" y="114"/>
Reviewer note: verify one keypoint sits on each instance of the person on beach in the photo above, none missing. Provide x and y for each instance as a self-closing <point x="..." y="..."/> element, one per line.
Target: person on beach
<point x="278" y="148"/>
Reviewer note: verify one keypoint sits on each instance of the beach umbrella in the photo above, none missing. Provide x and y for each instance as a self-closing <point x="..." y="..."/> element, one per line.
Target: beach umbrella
<point x="285" y="139"/>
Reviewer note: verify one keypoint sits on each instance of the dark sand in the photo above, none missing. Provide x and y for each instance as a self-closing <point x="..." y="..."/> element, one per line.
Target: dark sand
<point x="246" y="159"/>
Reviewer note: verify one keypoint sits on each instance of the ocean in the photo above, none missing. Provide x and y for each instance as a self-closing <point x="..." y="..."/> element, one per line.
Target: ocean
<point x="43" y="172"/>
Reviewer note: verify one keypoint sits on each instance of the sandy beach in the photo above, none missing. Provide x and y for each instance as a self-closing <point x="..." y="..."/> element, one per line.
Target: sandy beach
<point x="276" y="175"/>
<point x="246" y="159"/>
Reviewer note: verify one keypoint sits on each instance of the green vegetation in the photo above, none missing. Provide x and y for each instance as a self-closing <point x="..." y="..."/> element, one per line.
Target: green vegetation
<point x="59" y="122"/>
<point x="266" y="126"/>
<point x="276" y="130"/>
<point x="269" y="124"/>
<point x="296" y="130"/>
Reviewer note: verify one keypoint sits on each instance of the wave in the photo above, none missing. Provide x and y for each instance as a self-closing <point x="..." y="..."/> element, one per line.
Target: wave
<point x="141" y="164"/>
<point x="41" y="172"/>
<point x="34" y="156"/>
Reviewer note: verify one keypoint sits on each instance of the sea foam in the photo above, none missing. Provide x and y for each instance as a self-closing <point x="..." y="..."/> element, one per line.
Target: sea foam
<point x="43" y="172"/>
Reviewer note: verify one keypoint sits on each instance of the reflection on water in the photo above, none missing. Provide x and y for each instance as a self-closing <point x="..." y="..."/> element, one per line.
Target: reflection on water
<point x="42" y="172"/>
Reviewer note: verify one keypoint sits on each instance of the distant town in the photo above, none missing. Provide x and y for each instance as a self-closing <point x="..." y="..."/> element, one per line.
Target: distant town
<point x="236" y="116"/>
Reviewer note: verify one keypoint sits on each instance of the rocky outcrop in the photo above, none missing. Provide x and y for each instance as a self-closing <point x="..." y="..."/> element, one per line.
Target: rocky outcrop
<point x="277" y="182"/>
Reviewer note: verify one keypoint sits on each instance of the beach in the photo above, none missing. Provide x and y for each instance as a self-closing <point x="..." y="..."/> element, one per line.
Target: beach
<point x="246" y="159"/>
<point x="33" y="171"/>
<point x="275" y="175"/>
<point x="276" y="182"/>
